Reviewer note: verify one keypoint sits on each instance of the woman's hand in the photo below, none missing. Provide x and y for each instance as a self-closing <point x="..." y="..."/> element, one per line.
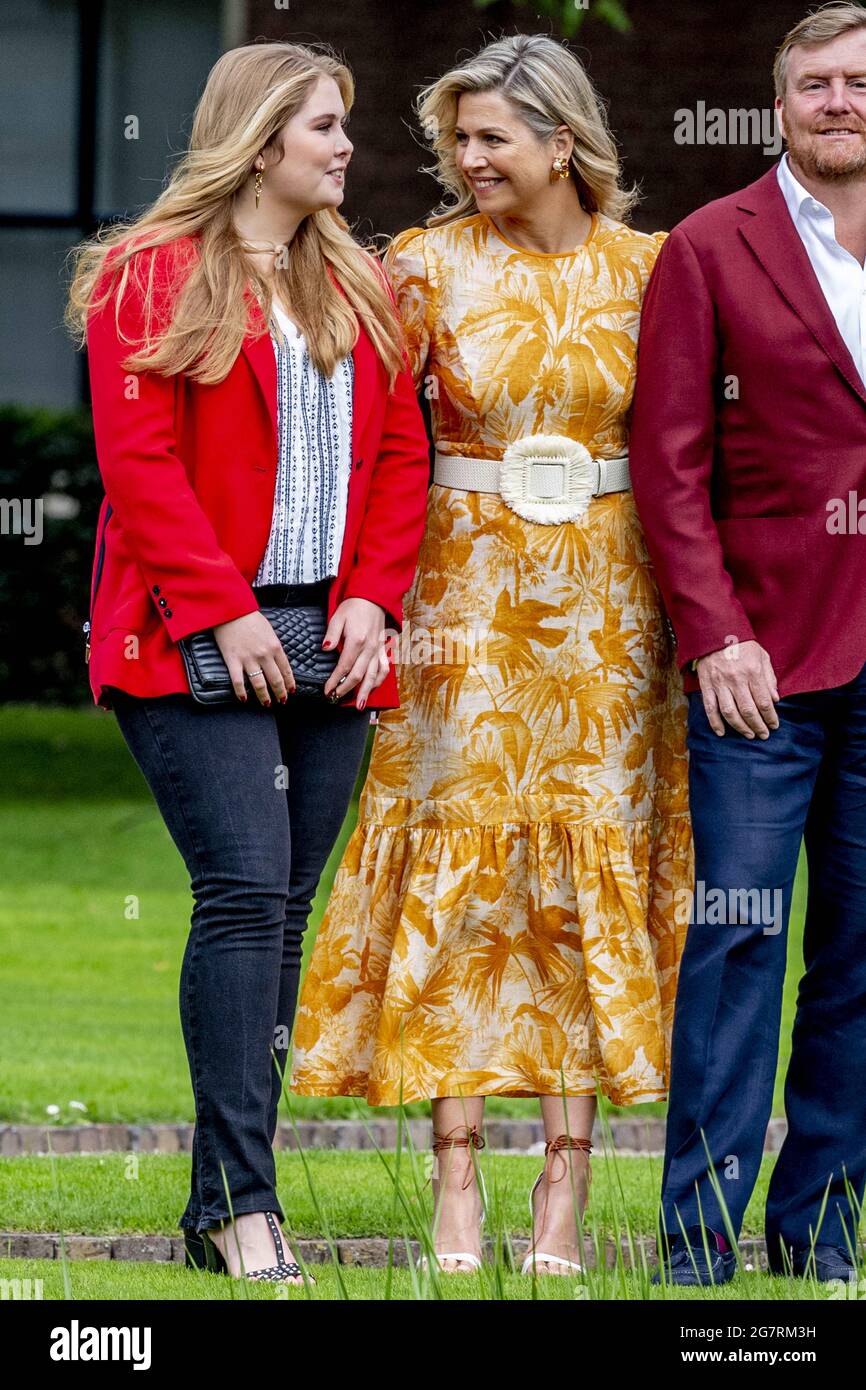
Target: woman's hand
<point x="361" y="624"/>
<point x="250" y="644"/>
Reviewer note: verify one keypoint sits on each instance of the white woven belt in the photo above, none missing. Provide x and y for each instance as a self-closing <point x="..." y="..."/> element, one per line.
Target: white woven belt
<point x="546" y="478"/>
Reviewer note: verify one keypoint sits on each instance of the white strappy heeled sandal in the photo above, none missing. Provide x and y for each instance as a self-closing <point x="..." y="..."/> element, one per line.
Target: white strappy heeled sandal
<point x="537" y="1257"/>
<point x="444" y="1141"/>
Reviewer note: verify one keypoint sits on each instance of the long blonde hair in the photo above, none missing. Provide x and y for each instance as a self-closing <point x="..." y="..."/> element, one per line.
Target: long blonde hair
<point x="549" y="87"/>
<point x="249" y="95"/>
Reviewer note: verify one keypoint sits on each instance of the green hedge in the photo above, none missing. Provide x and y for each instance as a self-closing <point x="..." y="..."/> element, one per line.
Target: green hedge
<point x="45" y="587"/>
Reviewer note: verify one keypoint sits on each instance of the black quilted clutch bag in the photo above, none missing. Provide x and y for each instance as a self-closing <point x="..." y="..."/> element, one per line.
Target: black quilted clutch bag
<point x="301" y="632"/>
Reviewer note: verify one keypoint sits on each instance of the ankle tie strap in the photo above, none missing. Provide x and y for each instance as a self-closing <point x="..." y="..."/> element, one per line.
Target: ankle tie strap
<point x="445" y="1141"/>
<point x="566" y="1141"/>
<point x="555" y="1147"/>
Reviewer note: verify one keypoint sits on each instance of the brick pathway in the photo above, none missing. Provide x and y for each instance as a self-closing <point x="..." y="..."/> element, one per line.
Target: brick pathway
<point x="365" y="1251"/>
<point x="522" y="1136"/>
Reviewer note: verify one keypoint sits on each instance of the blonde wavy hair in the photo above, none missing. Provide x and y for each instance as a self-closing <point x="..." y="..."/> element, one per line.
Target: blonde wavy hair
<point x="548" y="87"/>
<point x="249" y="95"/>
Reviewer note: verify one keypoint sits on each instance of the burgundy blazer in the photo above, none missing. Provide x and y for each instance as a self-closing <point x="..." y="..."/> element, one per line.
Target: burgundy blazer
<point x="749" y="419"/>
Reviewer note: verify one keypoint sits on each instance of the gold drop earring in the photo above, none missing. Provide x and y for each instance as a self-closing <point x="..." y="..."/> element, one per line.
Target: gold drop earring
<point x="560" y="167"/>
<point x="259" y="177"/>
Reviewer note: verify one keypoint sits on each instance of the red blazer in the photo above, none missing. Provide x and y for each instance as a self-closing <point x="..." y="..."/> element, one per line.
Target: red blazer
<point x="749" y="417"/>
<point x="190" y="472"/>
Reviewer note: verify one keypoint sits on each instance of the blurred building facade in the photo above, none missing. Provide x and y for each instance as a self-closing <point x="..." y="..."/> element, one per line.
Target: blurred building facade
<point x="98" y="96"/>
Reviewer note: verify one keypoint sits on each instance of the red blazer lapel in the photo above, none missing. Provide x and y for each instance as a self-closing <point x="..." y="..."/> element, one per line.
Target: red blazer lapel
<point x="775" y="241"/>
<point x="366" y="364"/>
<point x="365" y="371"/>
<point x="259" y="353"/>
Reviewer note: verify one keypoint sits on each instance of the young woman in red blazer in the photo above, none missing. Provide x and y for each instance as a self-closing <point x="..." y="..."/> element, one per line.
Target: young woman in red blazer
<point x="201" y="418"/>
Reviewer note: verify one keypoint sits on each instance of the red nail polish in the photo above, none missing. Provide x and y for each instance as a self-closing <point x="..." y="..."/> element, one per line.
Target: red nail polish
<point x="266" y="703"/>
<point x="326" y="644"/>
<point x="284" y="699"/>
<point x="244" y="699"/>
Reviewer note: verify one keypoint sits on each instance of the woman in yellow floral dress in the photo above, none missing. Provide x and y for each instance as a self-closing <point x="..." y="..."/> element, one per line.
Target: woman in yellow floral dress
<point x="503" y="920"/>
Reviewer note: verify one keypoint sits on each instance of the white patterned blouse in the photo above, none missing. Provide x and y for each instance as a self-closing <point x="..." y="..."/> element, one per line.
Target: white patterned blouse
<point x="314" y="417"/>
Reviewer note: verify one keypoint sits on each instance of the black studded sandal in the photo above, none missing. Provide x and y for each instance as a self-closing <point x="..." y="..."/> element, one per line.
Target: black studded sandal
<point x="201" y="1252"/>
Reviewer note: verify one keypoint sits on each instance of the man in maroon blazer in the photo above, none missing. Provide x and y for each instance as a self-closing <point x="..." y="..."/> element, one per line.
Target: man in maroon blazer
<point x="748" y="462"/>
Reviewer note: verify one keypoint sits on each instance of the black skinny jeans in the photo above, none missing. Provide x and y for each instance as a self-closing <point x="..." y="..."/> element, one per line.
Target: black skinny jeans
<point x="254" y="799"/>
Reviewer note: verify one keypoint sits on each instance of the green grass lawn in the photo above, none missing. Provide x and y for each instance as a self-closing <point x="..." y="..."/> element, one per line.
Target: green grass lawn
<point x="94" y="911"/>
<point x="115" y="1281"/>
<point x="331" y="1195"/>
<point x="123" y="1194"/>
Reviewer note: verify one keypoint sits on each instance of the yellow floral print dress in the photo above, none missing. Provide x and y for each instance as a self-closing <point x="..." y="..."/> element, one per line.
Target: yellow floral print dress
<point x="503" y="921"/>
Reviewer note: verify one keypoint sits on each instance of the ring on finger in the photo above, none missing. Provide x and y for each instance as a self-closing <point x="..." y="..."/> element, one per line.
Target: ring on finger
<point x="257" y="672"/>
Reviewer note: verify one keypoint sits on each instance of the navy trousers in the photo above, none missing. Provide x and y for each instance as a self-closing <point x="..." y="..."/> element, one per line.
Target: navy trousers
<point x="753" y="802"/>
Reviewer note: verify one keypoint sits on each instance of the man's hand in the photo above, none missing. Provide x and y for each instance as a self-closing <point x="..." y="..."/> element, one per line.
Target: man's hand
<point x="739" y="685"/>
<point x="361" y="624"/>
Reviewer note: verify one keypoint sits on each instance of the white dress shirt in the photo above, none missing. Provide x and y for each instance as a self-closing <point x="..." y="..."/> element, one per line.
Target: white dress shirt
<point x="840" y="275"/>
<point x="314" y="417"/>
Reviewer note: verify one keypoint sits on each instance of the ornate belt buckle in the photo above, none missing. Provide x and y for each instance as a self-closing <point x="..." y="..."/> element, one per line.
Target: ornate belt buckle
<point x="548" y="478"/>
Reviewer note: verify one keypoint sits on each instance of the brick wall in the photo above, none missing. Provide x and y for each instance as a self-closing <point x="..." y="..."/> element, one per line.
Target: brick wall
<point x="678" y="53"/>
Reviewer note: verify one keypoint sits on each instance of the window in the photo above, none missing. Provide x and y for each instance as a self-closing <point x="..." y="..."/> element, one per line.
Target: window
<point x="96" y="98"/>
